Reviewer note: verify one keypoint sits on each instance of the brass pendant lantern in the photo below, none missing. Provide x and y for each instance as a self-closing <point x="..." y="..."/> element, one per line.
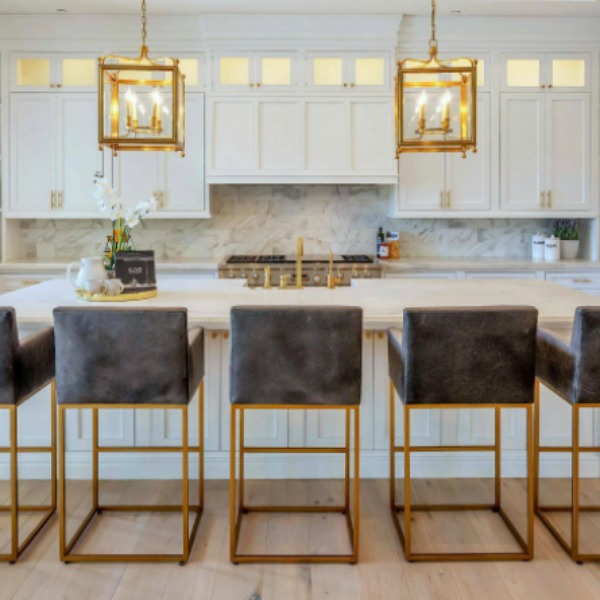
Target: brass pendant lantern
<point x="436" y="102"/>
<point x="141" y="101"/>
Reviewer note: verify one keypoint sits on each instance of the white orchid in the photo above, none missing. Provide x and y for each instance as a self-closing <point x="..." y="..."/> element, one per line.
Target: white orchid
<point x="110" y="203"/>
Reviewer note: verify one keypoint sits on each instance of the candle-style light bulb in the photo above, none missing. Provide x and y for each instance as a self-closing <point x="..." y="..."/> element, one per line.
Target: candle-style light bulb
<point x="131" y="108"/>
<point x="446" y="111"/>
<point x="422" y="110"/>
<point x="156" y="103"/>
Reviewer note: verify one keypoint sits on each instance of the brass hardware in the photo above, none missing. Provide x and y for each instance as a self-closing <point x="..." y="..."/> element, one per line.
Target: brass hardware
<point x="368" y="335"/>
<point x="14" y="508"/>
<point x="543" y="87"/>
<point x="28" y="282"/>
<point x="283" y="281"/>
<point x="550" y="86"/>
<point x="448" y="199"/>
<point x="582" y="281"/>
<point x="59" y="85"/>
<point x="59" y="201"/>
<point x="267" y="282"/>
<point x="66" y="547"/>
<point x="404" y="529"/>
<point x="299" y="255"/>
<point x="251" y="84"/>
<point x="214" y="335"/>
<point x="226" y="335"/>
<point x="258" y="84"/>
<point x="52" y="200"/>
<point x="352" y="84"/>
<point x="345" y="85"/>
<point x="442" y="199"/>
<point x="542" y="199"/>
<point x="157" y="196"/>
<point x="238" y="508"/>
<point x="572" y="549"/>
<point x="52" y="85"/>
<point x="330" y="277"/>
<point x="380" y="335"/>
<point x="549" y="201"/>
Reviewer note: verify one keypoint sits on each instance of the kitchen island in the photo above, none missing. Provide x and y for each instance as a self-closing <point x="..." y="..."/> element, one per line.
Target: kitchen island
<point x="209" y="303"/>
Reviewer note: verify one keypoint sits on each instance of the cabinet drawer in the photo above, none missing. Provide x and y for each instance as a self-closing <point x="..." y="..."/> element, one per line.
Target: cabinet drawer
<point x="502" y="275"/>
<point x="586" y="281"/>
<point x="419" y="275"/>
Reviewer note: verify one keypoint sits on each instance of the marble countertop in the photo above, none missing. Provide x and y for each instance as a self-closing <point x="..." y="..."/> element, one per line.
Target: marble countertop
<point x="209" y="301"/>
<point x="60" y="265"/>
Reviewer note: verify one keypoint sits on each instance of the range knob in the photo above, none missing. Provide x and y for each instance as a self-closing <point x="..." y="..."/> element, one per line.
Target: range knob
<point x="231" y="275"/>
<point x="254" y="275"/>
<point x="317" y="279"/>
<point x="367" y="275"/>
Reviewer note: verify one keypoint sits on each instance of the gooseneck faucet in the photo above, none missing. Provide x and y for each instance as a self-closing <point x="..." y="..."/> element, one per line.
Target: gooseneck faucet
<point x="299" y="254"/>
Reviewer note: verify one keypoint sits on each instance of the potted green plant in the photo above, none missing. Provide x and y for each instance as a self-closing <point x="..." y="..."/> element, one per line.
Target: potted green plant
<point x="568" y="232"/>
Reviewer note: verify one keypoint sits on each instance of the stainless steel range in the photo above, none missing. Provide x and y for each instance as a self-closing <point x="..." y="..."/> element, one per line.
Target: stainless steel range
<point x="315" y="269"/>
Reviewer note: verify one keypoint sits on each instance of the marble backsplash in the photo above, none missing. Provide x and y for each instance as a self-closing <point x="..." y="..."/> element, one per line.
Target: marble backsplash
<point x="268" y="219"/>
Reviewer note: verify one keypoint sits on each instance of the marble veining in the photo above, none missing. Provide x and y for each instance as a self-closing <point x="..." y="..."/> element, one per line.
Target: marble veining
<point x="268" y="219"/>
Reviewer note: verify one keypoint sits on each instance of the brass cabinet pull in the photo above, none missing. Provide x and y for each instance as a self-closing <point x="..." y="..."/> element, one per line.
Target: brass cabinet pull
<point x="345" y="85"/>
<point x="258" y="84"/>
<point x="448" y="199"/>
<point x="157" y="195"/>
<point x="59" y="201"/>
<point x="27" y="282"/>
<point x="352" y="84"/>
<point x="549" y="202"/>
<point x="441" y="199"/>
<point x="542" y="199"/>
<point x="162" y="199"/>
<point x="582" y="280"/>
<point x="251" y="84"/>
<point x="543" y="86"/>
<point x="52" y="201"/>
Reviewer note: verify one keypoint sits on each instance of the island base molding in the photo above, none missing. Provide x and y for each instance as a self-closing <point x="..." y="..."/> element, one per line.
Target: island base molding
<point x="374" y="465"/>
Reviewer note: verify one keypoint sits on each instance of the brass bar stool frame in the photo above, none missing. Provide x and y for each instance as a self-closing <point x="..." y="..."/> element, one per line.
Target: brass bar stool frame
<point x="13" y="450"/>
<point x="406" y="534"/>
<point x="575" y="509"/>
<point x="238" y="507"/>
<point x="67" y="554"/>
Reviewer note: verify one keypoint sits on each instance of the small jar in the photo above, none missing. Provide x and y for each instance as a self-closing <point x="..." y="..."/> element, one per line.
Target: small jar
<point x="552" y="249"/>
<point x="538" y="246"/>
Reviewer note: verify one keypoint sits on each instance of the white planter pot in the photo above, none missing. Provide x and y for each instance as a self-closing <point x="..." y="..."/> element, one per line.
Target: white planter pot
<point x="569" y="249"/>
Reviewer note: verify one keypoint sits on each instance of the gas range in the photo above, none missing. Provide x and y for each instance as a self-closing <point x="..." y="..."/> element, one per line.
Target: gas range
<point x="314" y="268"/>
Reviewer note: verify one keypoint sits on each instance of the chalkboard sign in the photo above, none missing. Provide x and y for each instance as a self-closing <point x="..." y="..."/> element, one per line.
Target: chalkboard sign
<point x="136" y="270"/>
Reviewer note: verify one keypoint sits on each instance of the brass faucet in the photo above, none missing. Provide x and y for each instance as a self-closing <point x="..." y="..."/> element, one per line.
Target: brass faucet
<point x="267" y="283"/>
<point x="299" y="254"/>
<point x="283" y="282"/>
<point x="331" y="280"/>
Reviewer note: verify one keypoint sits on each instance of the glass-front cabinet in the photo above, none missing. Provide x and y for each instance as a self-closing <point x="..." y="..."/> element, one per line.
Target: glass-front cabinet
<point x="558" y="72"/>
<point x="336" y="71"/>
<point x="41" y="72"/>
<point x="255" y="71"/>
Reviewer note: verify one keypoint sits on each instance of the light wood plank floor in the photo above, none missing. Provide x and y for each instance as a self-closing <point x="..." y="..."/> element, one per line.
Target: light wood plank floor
<point x="382" y="573"/>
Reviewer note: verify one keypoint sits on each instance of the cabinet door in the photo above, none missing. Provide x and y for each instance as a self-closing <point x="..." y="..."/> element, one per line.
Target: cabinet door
<point x="568" y="151"/>
<point x="32" y="72"/>
<point x="32" y="152"/>
<point x="368" y="72"/>
<point x="326" y="72"/>
<point x="422" y="182"/>
<point x="569" y="72"/>
<point x="372" y="136"/>
<point x="326" y="135"/>
<point x="138" y="176"/>
<point x="233" y="72"/>
<point x="279" y="135"/>
<point x="116" y="428"/>
<point x="276" y="72"/>
<point x="183" y="185"/>
<point x="522" y="141"/>
<point x="78" y="157"/>
<point x="524" y="72"/>
<point x="468" y="179"/>
<point x="232" y="140"/>
<point x="77" y="72"/>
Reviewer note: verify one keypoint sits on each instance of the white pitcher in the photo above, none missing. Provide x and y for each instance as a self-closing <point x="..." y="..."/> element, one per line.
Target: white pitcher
<point x="90" y="269"/>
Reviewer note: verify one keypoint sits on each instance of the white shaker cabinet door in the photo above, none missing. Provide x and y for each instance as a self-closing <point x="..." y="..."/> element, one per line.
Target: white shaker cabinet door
<point x="32" y="153"/>
<point x="468" y="179"/>
<point x="372" y="137"/>
<point x="78" y="155"/>
<point x="279" y="135"/>
<point x="232" y="139"/>
<point x="138" y="176"/>
<point x="422" y="182"/>
<point x="523" y="143"/>
<point x="183" y="185"/>
<point x="568" y="151"/>
<point x="326" y="135"/>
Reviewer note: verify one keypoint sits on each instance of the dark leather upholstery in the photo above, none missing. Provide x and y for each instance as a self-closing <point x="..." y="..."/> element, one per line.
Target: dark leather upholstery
<point x="464" y="355"/>
<point x="296" y="355"/>
<point x="573" y="370"/>
<point x="126" y="356"/>
<point x="27" y="366"/>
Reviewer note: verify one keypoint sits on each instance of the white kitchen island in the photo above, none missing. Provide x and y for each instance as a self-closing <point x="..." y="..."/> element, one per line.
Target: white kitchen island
<point x="209" y="303"/>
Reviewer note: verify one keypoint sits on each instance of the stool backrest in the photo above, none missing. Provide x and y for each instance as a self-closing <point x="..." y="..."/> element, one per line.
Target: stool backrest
<point x="9" y="344"/>
<point x="121" y="356"/>
<point x="469" y="355"/>
<point x="585" y="344"/>
<point x="296" y="355"/>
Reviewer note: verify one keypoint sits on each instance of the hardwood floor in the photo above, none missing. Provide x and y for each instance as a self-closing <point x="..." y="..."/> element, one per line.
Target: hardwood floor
<point x="381" y="574"/>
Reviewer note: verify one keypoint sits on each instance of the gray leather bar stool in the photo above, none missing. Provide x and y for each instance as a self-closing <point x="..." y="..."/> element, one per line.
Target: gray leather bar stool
<point x="462" y="358"/>
<point x="110" y="358"/>
<point x="26" y="367"/>
<point x="295" y="358"/>
<point x="571" y="369"/>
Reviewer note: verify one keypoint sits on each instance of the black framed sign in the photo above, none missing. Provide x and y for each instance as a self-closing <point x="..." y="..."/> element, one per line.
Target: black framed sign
<point x="136" y="270"/>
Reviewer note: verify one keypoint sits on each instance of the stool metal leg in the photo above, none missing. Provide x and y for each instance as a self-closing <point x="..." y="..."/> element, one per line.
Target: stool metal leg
<point x="405" y="529"/>
<point x="238" y="507"/>
<point x="67" y="545"/>
<point x="15" y="508"/>
<point x="544" y="511"/>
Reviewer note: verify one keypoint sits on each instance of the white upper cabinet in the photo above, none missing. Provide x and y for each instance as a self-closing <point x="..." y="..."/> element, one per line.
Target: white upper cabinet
<point x="338" y="71"/>
<point x="545" y="160"/>
<point x="447" y="181"/>
<point x="266" y="72"/>
<point x="41" y="72"/>
<point x="529" y="72"/>
<point x="54" y="154"/>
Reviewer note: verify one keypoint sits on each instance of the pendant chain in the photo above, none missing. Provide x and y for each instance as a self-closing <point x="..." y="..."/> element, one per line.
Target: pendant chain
<point x="433" y="40"/>
<point x="144" y="22"/>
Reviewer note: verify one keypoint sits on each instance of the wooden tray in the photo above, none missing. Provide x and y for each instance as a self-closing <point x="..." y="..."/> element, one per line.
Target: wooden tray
<point x="87" y="297"/>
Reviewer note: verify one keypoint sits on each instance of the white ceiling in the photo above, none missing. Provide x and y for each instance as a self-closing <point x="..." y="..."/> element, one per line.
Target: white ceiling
<point x="408" y="7"/>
